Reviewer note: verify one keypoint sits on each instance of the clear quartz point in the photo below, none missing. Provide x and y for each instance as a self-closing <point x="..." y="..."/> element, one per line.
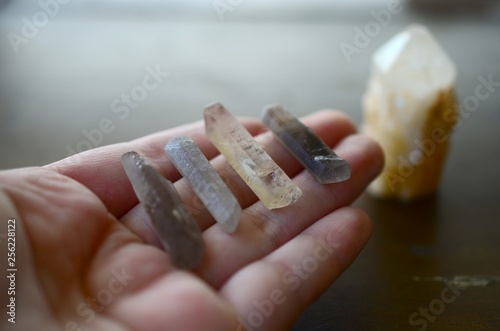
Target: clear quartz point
<point x="306" y="146"/>
<point x="205" y="181"/>
<point x="175" y="227"/>
<point x="269" y="182"/>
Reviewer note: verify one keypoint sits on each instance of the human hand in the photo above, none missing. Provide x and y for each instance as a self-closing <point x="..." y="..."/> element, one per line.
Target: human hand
<point x="86" y="261"/>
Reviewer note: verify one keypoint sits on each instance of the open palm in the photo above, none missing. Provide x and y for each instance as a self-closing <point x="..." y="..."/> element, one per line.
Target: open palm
<point x="86" y="260"/>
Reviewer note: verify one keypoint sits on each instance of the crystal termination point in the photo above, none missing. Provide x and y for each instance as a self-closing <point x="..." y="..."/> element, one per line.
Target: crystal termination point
<point x="177" y="230"/>
<point x="269" y="182"/>
<point x="410" y="100"/>
<point x="306" y="146"/>
<point x="205" y="181"/>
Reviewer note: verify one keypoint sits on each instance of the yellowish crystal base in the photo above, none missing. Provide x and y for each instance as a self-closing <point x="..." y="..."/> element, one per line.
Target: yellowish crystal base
<point x="414" y="154"/>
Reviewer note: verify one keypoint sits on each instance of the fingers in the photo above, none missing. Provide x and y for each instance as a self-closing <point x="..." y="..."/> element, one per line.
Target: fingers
<point x="269" y="292"/>
<point x="101" y="171"/>
<point x="261" y="230"/>
<point x="331" y="126"/>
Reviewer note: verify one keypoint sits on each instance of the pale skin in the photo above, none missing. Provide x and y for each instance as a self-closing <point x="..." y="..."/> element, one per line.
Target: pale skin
<point x="79" y="225"/>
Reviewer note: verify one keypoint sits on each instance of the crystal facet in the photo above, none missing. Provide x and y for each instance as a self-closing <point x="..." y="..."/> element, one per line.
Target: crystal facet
<point x="176" y="229"/>
<point x="410" y="109"/>
<point x="205" y="181"/>
<point x="307" y="147"/>
<point x="269" y="182"/>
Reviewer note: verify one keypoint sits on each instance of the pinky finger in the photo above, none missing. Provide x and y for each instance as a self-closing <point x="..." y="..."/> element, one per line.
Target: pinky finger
<point x="269" y="293"/>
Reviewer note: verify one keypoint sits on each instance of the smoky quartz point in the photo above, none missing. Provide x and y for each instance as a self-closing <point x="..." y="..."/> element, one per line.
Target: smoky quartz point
<point x="269" y="182"/>
<point x="306" y="146"/>
<point x="175" y="227"/>
<point x="205" y="181"/>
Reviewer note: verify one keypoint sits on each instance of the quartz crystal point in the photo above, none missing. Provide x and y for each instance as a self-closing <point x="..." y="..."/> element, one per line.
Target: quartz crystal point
<point x="307" y="147"/>
<point x="176" y="229"/>
<point x="205" y="181"/>
<point x="269" y="182"/>
<point x="410" y="109"/>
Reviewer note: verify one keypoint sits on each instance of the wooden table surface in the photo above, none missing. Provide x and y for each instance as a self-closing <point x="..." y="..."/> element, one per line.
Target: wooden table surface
<point x="418" y="249"/>
<point x="65" y="80"/>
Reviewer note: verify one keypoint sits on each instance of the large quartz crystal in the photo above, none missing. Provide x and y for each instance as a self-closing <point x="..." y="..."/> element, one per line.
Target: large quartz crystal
<point x="269" y="182"/>
<point x="205" y="181"/>
<point x="306" y="146"/>
<point x="175" y="227"/>
<point x="410" y="109"/>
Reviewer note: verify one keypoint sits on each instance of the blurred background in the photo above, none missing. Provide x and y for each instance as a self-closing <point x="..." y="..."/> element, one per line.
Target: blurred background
<point x="64" y="63"/>
<point x="76" y="75"/>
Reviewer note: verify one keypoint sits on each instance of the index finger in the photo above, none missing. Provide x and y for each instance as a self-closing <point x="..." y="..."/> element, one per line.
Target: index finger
<point x="101" y="171"/>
